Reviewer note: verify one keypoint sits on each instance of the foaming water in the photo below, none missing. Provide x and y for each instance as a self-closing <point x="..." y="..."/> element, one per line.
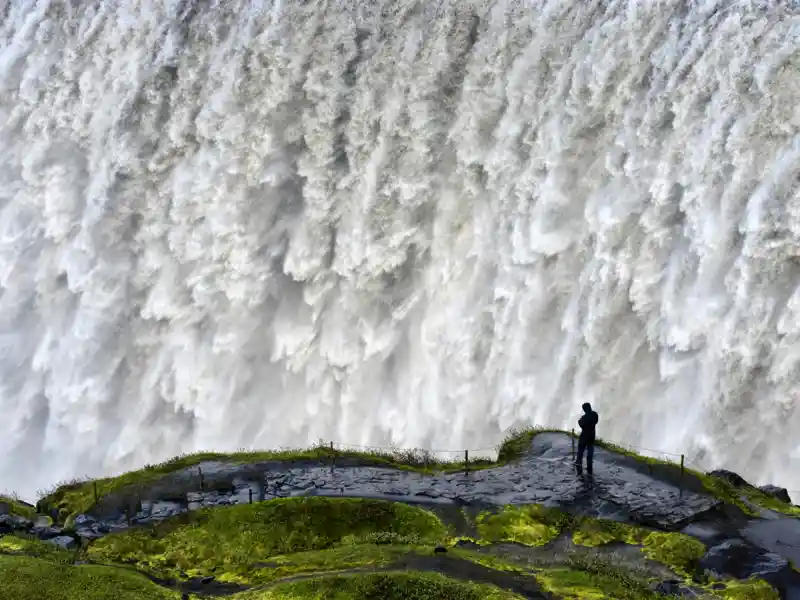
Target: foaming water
<point x="257" y="224"/>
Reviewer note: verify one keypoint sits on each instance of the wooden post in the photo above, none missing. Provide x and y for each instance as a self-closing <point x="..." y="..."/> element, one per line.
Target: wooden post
<point x="95" y="492"/>
<point x="251" y="494"/>
<point x="682" y="469"/>
<point x="202" y="484"/>
<point x="466" y="461"/>
<point x="573" y="444"/>
<point x="333" y="456"/>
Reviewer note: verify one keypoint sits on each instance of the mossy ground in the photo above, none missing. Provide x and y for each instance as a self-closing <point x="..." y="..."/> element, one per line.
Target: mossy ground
<point x="261" y="544"/>
<point x="316" y="539"/>
<point x="235" y="544"/>
<point x="17" y="507"/>
<point x="383" y="586"/>
<point x="77" y="497"/>
<point x="28" y="578"/>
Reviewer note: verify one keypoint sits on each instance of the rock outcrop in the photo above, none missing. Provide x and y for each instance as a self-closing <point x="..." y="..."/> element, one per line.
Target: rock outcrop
<point x="624" y="489"/>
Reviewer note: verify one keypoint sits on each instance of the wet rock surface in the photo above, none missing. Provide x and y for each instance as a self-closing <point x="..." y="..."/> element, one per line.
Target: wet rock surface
<point x="623" y="488"/>
<point x="618" y="490"/>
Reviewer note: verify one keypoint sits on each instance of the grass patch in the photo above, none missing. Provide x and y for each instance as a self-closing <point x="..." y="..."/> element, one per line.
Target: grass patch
<point x="383" y="586"/>
<point x="231" y="543"/>
<point x="28" y="578"/>
<point x="595" y="584"/>
<point x="536" y="525"/>
<point x="752" y="589"/>
<point x="678" y="551"/>
<point x="19" y="544"/>
<point x="578" y="576"/>
<point x="76" y="497"/>
<point x="17" y="507"/>
<point x="531" y="525"/>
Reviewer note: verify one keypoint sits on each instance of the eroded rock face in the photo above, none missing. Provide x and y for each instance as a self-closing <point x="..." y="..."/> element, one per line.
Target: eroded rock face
<point x="64" y="541"/>
<point x="734" y="479"/>
<point x="678" y="589"/>
<point x="739" y="559"/>
<point x="776" y="492"/>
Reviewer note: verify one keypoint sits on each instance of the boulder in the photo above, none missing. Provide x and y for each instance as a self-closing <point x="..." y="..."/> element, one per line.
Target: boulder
<point x="47" y="533"/>
<point x="5" y="508"/>
<point x="734" y="479"/>
<point x="776" y="492"/>
<point x="84" y="520"/>
<point x="10" y="523"/>
<point x="736" y="558"/>
<point x="63" y="541"/>
<point x="674" y="588"/>
<point x="42" y="521"/>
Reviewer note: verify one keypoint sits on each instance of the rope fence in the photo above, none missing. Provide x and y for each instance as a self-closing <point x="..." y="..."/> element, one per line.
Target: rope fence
<point x="464" y="458"/>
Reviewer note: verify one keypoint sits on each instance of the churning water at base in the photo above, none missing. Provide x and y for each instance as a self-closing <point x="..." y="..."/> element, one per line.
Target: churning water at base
<point x="261" y="223"/>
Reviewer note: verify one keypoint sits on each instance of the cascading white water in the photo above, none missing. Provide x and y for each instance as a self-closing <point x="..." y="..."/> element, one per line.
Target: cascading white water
<point x="261" y="223"/>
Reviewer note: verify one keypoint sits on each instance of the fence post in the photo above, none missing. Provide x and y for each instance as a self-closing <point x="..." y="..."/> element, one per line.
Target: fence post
<point x="251" y="494"/>
<point x="681" y="468"/>
<point x="333" y="456"/>
<point x="466" y="461"/>
<point x="95" y="492"/>
<point x="573" y="444"/>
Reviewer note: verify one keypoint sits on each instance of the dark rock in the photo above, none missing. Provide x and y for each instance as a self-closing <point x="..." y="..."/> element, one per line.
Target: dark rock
<point x="84" y="520"/>
<point x="88" y="534"/>
<point x="676" y="588"/>
<point x="733" y="478"/>
<point x="737" y="558"/>
<point x="47" y="533"/>
<point x="15" y="523"/>
<point x="5" y="508"/>
<point x="718" y="586"/>
<point x="776" y="492"/>
<point x="207" y="580"/>
<point x="64" y="541"/>
<point x="439" y="550"/>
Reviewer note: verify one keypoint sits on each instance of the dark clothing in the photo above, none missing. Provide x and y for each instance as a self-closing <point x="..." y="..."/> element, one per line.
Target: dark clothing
<point x="588" y="425"/>
<point x="588" y="447"/>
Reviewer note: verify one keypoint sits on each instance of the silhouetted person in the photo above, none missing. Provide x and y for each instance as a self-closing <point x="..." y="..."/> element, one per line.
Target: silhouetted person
<point x="588" y="423"/>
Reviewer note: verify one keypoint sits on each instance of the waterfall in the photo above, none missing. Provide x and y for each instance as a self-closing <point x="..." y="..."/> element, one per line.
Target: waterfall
<point x="260" y="223"/>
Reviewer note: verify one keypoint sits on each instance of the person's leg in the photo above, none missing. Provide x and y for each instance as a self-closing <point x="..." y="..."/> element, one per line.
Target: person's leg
<point x="589" y="457"/>
<point x="581" y="450"/>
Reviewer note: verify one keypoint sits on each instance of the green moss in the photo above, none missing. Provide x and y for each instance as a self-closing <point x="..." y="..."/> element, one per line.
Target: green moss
<point x="584" y="578"/>
<point x="518" y="442"/>
<point x="16" y="507"/>
<point x="490" y="561"/>
<point x="383" y="586"/>
<point x="678" y="551"/>
<point x="19" y="544"/>
<point x="752" y="589"/>
<point x="587" y="585"/>
<point x="231" y="542"/>
<point x="71" y="499"/>
<point x="27" y="578"/>
<point x="763" y="500"/>
<point x="335" y="559"/>
<point x="532" y="525"/>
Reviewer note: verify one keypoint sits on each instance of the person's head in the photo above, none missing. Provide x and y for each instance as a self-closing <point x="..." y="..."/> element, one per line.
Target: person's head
<point x="587" y="407"/>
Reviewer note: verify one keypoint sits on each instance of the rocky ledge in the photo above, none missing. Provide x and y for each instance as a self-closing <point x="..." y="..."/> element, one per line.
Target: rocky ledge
<point x="742" y="539"/>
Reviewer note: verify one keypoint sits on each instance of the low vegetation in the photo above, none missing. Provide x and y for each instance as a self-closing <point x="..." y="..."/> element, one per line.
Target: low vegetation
<point x="320" y="547"/>
<point x="235" y="544"/>
<point x="386" y="586"/>
<point x="28" y="578"/>
<point x="17" y="507"/>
